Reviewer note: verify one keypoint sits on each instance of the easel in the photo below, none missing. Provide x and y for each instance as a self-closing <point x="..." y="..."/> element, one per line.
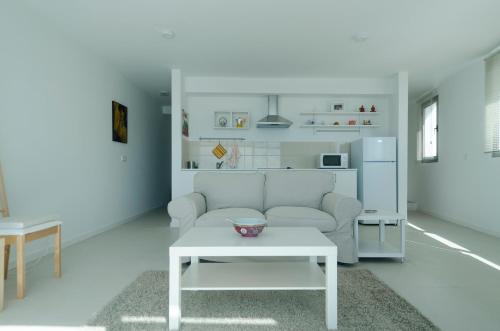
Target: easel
<point x="24" y="234"/>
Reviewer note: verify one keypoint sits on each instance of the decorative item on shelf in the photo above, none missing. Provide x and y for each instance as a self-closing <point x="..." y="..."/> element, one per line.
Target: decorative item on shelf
<point x="372" y="109"/>
<point x="351" y="122"/>
<point x="219" y="151"/>
<point x="310" y="122"/>
<point x="222" y="121"/>
<point x="336" y="123"/>
<point x="362" y="109"/>
<point x="337" y="107"/>
<point x="367" y="122"/>
<point x="240" y="122"/>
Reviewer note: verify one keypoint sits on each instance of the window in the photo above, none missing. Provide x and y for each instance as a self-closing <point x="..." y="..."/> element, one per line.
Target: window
<point x="492" y="96"/>
<point x="430" y="130"/>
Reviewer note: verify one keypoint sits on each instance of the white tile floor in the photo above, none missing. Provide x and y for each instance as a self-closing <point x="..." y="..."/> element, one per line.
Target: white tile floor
<point x="456" y="291"/>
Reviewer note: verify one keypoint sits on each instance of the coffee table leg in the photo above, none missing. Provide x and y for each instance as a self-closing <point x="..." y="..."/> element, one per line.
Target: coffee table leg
<point x="331" y="292"/>
<point x="174" y="299"/>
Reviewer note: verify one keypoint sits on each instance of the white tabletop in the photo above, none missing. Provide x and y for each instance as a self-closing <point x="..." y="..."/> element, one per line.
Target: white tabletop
<point x="380" y="215"/>
<point x="273" y="241"/>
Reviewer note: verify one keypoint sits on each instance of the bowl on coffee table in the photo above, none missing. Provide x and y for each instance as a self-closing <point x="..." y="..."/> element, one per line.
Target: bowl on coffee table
<point x="248" y="226"/>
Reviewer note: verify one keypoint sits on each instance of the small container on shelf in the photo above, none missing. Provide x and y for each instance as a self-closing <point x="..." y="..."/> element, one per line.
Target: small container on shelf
<point x="222" y="119"/>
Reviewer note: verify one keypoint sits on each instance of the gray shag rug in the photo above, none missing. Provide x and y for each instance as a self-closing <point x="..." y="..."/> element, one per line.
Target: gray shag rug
<point x="364" y="303"/>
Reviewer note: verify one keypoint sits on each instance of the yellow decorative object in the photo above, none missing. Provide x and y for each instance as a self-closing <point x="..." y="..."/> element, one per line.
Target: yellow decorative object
<point x="219" y="151"/>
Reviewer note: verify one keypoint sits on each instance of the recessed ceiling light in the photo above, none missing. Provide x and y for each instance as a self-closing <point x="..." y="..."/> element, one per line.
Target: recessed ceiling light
<point x="360" y="37"/>
<point x="168" y="34"/>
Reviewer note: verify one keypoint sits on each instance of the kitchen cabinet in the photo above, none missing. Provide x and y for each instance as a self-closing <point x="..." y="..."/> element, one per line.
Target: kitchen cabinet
<point x="346" y="182"/>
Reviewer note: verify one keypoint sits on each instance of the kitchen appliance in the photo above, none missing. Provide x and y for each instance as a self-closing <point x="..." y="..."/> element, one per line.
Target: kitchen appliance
<point x="376" y="161"/>
<point x="333" y="161"/>
<point x="273" y="119"/>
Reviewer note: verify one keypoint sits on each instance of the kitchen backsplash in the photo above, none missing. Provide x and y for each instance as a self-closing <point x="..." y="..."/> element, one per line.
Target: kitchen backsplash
<point x="258" y="154"/>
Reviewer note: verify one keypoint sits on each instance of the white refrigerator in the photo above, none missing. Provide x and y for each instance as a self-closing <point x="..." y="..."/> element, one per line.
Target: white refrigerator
<point x="375" y="158"/>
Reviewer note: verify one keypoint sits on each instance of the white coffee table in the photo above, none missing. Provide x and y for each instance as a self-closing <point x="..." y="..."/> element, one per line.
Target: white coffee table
<point x="277" y="241"/>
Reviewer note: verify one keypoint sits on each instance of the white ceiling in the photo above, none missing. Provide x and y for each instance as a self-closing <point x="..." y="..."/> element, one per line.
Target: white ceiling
<point x="312" y="38"/>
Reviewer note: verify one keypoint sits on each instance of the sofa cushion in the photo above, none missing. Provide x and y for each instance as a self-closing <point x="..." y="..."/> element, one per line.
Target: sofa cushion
<point x="301" y="216"/>
<point x="231" y="190"/>
<point x="297" y="188"/>
<point x="218" y="217"/>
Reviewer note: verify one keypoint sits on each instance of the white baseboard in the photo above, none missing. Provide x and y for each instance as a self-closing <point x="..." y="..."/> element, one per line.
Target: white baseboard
<point x="36" y="254"/>
<point x="460" y="222"/>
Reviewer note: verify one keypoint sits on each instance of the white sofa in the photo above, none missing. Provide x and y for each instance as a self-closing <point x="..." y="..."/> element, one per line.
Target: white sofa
<point x="284" y="198"/>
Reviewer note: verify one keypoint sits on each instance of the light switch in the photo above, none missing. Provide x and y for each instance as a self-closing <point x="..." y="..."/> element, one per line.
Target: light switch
<point x="123" y="158"/>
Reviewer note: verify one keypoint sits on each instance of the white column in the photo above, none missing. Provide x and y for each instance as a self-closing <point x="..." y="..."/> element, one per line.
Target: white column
<point x="174" y="298"/>
<point x="331" y="291"/>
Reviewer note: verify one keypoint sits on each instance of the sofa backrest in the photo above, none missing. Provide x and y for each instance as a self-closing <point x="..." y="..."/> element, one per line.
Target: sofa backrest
<point x="231" y="190"/>
<point x="301" y="188"/>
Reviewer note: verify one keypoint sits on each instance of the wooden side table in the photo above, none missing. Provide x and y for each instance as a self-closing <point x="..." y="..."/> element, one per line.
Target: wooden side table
<point x="19" y="232"/>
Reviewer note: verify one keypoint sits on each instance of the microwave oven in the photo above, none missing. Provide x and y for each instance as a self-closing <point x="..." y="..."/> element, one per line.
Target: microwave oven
<point x="333" y="161"/>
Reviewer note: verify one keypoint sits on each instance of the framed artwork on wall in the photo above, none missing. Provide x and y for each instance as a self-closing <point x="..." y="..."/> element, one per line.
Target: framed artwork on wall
<point x="185" y="124"/>
<point x="120" y="122"/>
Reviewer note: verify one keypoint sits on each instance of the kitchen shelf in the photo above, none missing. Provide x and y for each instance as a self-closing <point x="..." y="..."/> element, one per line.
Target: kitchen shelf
<point x="340" y="113"/>
<point x="338" y="126"/>
<point x="230" y="128"/>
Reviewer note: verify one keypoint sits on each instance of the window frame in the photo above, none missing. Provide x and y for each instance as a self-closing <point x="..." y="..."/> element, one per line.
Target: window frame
<point x="434" y="99"/>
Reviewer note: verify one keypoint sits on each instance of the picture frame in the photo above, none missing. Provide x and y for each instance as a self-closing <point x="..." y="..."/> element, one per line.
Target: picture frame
<point x="185" y="124"/>
<point x="119" y="122"/>
<point x="337" y="107"/>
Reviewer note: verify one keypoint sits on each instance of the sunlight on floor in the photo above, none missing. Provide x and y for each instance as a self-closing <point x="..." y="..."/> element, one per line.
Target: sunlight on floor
<point x="483" y="260"/>
<point x="415" y="227"/>
<point x="446" y="241"/>
<point x="144" y="319"/>
<point x="453" y="245"/>
<point x="229" y="321"/>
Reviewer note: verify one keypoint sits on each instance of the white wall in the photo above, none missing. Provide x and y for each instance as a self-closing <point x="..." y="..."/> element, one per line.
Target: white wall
<point x="462" y="186"/>
<point x="55" y="132"/>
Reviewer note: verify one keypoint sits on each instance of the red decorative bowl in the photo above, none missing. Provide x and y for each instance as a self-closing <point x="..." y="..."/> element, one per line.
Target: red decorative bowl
<point x="249" y="227"/>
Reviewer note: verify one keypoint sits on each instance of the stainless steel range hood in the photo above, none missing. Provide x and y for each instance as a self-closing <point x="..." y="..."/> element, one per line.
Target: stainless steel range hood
<point x="273" y="119"/>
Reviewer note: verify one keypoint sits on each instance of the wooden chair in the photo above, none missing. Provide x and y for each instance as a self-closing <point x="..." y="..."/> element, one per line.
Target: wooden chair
<point x="20" y="231"/>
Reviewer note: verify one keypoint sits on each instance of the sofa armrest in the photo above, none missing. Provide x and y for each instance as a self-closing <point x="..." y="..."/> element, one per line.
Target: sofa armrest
<point x="186" y="209"/>
<point x="343" y="208"/>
